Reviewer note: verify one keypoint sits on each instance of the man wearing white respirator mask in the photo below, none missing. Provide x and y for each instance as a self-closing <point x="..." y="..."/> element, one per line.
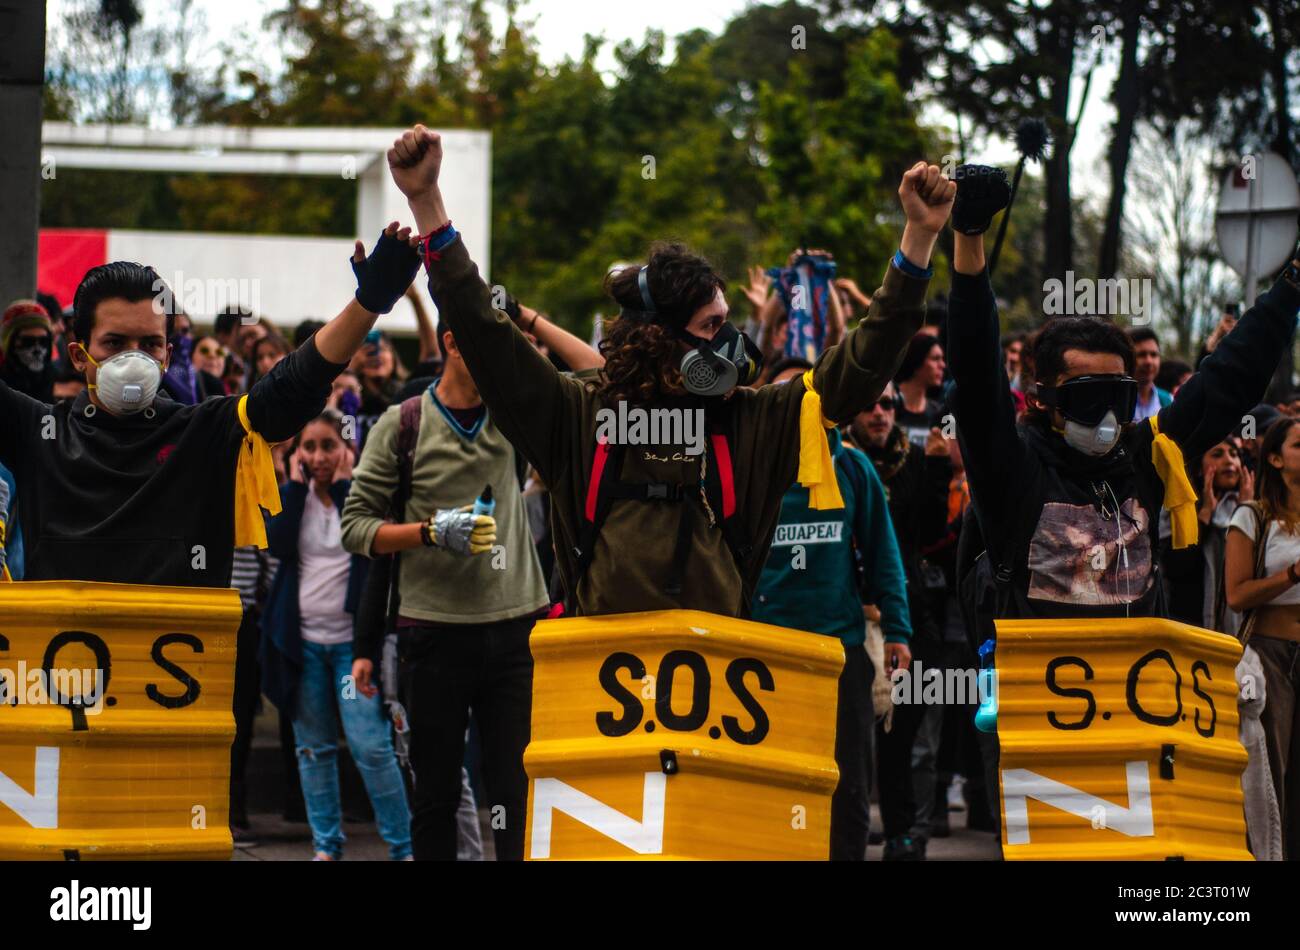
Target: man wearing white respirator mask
<point x="1069" y="501"/>
<point x="123" y="484"/>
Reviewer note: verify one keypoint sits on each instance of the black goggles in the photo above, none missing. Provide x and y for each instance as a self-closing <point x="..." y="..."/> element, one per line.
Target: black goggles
<point x="1087" y="399"/>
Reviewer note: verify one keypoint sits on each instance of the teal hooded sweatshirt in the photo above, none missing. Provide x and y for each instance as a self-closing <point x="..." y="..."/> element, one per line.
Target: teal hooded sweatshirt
<point x="809" y="581"/>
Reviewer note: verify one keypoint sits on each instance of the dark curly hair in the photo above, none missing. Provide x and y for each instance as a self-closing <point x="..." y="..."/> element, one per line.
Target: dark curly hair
<point x="1044" y="352"/>
<point x="641" y="358"/>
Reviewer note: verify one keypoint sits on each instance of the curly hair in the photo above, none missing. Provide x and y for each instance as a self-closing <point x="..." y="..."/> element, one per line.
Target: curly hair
<point x="641" y="358"/>
<point x="1043" y="356"/>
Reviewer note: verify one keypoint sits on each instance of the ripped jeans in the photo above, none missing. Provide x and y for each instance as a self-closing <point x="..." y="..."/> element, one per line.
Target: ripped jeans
<point x="321" y="703"/>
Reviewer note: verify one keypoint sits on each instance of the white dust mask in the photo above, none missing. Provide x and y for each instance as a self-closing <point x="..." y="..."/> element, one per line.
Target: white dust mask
<point x="128" y="382"/>
<point x="1095" y="440"/>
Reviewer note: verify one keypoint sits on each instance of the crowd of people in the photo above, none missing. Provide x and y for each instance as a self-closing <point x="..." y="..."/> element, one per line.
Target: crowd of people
<point x="424" y="519"/>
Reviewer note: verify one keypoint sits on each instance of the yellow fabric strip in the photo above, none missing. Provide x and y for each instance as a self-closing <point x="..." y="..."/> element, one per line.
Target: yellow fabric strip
<point x="255" y="486"/>
<point x="816" y="469"/>
<point x="4" y="572"/>
<point x="1180" y="497"/>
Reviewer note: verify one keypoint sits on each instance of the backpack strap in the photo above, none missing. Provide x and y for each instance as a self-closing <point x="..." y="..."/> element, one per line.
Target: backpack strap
<point x="606" y="467"/>
<point x="408" y="433"/>
<point x="720" y="490"/>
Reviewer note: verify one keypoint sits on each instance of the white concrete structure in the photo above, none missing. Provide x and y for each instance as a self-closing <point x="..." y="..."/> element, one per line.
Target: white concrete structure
<point x="296" y="276"/>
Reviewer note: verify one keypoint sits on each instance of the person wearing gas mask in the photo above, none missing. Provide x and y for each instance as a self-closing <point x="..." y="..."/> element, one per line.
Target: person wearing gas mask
<point x="1069" y="502"/>
<point x="124" y="484"/>
<point x="666" y="472"/>
<point x="27" y="346"/>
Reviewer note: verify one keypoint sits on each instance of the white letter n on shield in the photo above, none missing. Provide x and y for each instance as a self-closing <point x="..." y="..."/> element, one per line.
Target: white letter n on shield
<point x="1020" y="785"/>
<point x="644" y="837"/>
<point x="40" y="809"/>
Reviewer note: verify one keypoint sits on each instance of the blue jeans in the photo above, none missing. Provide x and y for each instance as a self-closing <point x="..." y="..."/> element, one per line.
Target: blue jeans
<point x="316" y="728"/>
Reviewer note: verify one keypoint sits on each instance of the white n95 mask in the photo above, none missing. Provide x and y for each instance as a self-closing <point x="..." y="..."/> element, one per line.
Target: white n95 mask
<point x="128" y="382"/>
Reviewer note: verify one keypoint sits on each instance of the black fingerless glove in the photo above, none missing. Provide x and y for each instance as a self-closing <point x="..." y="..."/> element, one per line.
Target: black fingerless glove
<point x="383" y="277"/>
<point x="982" y="191"/>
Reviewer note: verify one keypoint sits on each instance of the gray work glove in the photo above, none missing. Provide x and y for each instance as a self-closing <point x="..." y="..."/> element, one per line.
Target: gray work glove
<point x="462" y="531"/>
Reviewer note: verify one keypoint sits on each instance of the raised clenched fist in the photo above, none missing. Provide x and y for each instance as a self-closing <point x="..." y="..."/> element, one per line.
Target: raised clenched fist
<point x="982" y="191"/>
<point x="415" y="160"/>
<point x="926" y="196"/>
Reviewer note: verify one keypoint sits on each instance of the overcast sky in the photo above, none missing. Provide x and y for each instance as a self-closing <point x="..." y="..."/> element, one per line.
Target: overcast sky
<point x="559" y="26"/>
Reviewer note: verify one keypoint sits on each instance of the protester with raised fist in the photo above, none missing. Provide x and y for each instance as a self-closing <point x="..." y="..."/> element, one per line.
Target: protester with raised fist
<point x="1080" y="482"/>
<point x="124" y="484"/>
<point x="691" y="523"/>
<point x="468" y="589"/>
<point x="1068" y="504"/>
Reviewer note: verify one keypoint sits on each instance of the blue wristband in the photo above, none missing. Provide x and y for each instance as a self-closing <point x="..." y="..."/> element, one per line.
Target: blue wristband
<point x="439" y="241"/>
<point x="910" y="269"/>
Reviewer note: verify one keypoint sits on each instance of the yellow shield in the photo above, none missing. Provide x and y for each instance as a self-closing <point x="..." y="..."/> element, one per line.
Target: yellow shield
<point x="1119" y="741"/>
<point x="116" y="723"/>
<point x="681" y="734"/>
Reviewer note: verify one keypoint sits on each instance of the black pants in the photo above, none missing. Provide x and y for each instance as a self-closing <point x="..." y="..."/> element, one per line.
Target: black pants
<point x="445" y="672"/>
<point x="854" y="722"/>
<point x="247" y="689"/>
<point x="894" y="769"/>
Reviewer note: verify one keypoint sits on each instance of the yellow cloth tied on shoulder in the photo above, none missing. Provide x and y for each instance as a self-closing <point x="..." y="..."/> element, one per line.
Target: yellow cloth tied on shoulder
<point x="255" y="486"/>
<point x="1180" y="497"/>
<point x="4" y="568"/>
<point x="816" y="468"/>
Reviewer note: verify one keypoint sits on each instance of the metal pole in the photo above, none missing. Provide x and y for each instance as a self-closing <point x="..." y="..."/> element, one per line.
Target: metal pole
<point x="22" y="78"/>
<point x="1251" y="221"/>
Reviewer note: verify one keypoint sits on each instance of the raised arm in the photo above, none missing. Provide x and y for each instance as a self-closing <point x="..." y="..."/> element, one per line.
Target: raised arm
<point x="768" y="316"/>
<point x="1233" y="378"/>
<point x="853" y="374"/>
<point x="980" y="398"/>
<point x="423" y="325"/>
<point x="835" y="331"/>
<point x="576" y="353"/>
<point x="295" y="390"/>
<point x="529" y="399"/>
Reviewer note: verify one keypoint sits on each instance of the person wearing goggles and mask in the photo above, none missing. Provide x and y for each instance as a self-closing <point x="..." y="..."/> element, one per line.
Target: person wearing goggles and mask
<point x="1069" y="503"/>
<point x="123" y="483"/>
<point x="645" y="520"/>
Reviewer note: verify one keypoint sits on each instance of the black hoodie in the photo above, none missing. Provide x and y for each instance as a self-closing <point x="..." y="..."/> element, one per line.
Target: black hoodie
<point x="146" y="498"/>
<point x="1079" y="532"/>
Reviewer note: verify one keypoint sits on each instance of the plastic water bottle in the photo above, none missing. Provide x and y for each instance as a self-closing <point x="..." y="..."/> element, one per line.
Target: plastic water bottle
<point x="986" y="717"/>
<point x="485" y="504"/>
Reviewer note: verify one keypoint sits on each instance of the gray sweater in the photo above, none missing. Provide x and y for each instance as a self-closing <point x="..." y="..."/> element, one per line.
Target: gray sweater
<point x="449" y="471"/>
